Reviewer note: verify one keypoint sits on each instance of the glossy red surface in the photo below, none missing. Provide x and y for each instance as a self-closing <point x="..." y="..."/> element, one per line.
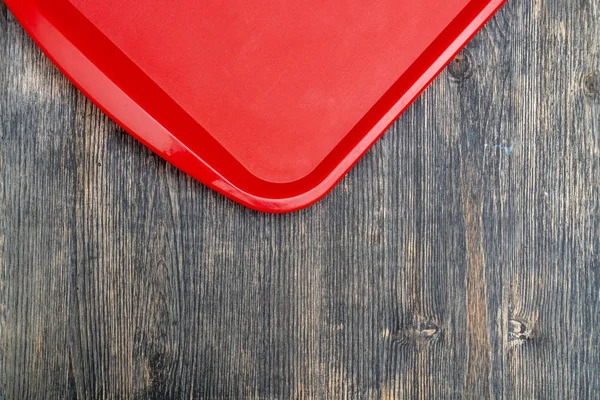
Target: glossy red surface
<point x="269" y="103"/>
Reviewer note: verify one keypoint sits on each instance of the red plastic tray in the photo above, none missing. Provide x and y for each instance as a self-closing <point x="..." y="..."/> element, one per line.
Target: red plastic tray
<point x="268" y="102"/>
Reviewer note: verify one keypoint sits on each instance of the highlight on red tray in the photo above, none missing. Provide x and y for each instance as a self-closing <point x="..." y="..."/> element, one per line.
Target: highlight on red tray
<point x="268" y="102"/>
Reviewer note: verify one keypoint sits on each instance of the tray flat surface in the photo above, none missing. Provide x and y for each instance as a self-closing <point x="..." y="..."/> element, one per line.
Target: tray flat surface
<point x="277" y="83"/>
<point x="276" y="99"/>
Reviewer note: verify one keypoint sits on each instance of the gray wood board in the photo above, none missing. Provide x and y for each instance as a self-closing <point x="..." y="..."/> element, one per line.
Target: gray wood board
<point x="459" y="258"/>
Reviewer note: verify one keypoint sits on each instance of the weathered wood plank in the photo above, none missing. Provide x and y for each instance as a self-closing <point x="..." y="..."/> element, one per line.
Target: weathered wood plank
<point x="460" y="258"/>
<point x="37" y="170"/>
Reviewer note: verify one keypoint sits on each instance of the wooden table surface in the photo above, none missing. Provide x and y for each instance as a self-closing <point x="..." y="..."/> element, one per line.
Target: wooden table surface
<point x="459" y="258"/>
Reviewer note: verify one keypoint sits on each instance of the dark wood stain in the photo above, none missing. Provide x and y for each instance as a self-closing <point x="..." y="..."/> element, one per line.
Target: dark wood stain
<point x="459" y="259"/>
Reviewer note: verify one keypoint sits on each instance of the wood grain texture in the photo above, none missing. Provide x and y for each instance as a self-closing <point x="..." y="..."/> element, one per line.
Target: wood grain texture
<point x="459" y="259"/>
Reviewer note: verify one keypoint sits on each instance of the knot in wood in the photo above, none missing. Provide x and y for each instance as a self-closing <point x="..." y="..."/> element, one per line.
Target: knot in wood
<point x="426" y="330"/>
<point x="517" y="331"/>
<point x="461" y="67"/>
<point x="591" y="85"/>
<point x="417" y="334"/>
